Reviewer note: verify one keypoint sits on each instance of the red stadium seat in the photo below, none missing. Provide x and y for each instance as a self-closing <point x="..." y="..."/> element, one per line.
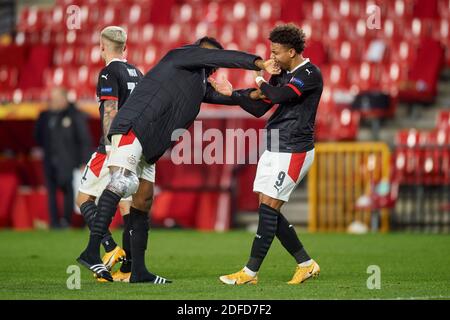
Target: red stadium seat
<point x="39" y="59"/>
<point x="22" y="218"/>
<point x="9" y="184"/>
<point x="316" y="52"/>
<point x="166" y="209"/>
<point x="422" y="82"/>
<point x="269" y="11"/>
<point x="214" y="211"/>
<point x="426" y="9"/>
<point x="65" y="55"/>
<point x="8" y="78"/>
<point x="33" y="19"/>
<point x="407" y="156"/>
<point x="392" y="76"/>
<point x="365" y="76"/>
<point x="337" y="75"/>
<point x="443" y="120"/>
<point x="13" y="55"/>
<point x="444" y="8"/>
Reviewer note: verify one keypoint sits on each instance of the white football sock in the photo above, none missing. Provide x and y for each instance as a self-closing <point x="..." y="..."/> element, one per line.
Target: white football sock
<point x="249" y="272"/>
<point x="306" y="263"/>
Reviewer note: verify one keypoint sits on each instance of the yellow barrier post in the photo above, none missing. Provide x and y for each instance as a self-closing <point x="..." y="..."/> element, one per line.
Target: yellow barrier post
<point x="340" y="175"/>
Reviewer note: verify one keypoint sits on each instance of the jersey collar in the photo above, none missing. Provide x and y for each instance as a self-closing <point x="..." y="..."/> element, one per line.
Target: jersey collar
<point x="116" y="59"/>
<point x="300" y="65"/>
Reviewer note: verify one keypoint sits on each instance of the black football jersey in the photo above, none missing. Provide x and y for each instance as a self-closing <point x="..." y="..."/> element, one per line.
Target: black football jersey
<point x="295" y="118"/>
<point x="115" y="82"/>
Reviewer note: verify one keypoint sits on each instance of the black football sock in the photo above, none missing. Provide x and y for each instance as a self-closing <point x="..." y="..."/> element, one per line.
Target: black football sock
<point x="126" y="244"/>
<point x="107" y="205"/>
<point x="267" y="227"/>
<point x="108" y="242"/>
<point x="139" y="227"/>
<point x="139" y="236"/>
<point x="290" y="241"/>
<point x="88" y="211"/>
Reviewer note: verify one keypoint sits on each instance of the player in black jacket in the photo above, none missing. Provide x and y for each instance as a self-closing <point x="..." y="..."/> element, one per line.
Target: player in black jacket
<point x="166" y="99"/>
<point x="283" y="165"/>
<point x="115" y="83"/>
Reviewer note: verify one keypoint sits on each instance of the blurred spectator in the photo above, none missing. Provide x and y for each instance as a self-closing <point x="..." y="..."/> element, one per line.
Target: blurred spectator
<point x="62" y="131"/>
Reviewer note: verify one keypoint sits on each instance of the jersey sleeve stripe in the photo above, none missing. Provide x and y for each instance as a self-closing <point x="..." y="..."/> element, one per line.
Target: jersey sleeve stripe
<point x="109" y="98"/>
<point x="294" y="88"/>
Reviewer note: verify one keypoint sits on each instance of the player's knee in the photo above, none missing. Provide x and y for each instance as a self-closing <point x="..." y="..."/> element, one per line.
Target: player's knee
<point x="82" y="198"/>
<point x="124" y="207"/>
<point x="123" y="182"/>
<point x="271" y="202"/>
<point x="143" y="202"/>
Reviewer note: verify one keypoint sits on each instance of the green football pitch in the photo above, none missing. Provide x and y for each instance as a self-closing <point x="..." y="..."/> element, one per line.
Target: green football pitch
<point x="33" y="265"/>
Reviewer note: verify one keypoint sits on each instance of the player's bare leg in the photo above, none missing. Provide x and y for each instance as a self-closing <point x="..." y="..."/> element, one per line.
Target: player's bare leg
<point x="139" y="220"/>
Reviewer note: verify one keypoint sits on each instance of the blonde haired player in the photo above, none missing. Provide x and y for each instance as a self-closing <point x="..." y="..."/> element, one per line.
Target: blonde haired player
<point x="115" y="83"/>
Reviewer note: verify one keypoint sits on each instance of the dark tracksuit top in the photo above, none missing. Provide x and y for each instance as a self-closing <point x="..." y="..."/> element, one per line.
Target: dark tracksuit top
<point x="169" y="96"/>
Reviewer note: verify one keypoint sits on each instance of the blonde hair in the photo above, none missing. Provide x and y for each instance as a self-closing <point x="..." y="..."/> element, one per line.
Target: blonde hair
<point x="116" y="36"/>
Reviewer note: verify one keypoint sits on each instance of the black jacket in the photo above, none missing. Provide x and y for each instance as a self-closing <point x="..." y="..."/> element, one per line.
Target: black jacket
<point x="169" y="96"/>
<point x="66" y="140"/>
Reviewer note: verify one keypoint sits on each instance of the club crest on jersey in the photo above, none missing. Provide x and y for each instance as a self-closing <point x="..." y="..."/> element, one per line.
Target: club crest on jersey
<point x="106" y="90"/>
<point x="131" y="159"/>
<point x="298" y="82"/>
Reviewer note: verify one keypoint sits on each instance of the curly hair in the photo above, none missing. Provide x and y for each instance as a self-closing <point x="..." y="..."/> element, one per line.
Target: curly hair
<point x="289" y="35"/>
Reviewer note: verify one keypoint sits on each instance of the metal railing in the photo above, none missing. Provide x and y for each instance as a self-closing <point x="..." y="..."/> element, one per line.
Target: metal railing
<point x="342" y="173"/>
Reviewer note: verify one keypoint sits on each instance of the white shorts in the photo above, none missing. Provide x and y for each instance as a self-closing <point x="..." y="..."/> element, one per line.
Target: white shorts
<point x="126" y="152"/>
<point x="96" y="176"/>
<point x="278" y="173"/>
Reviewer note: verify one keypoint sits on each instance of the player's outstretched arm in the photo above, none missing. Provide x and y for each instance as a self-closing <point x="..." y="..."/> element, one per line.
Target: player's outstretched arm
<point x="251" y="100"/>
<point x="197" y="57"/>
<point x="277" y="94"/>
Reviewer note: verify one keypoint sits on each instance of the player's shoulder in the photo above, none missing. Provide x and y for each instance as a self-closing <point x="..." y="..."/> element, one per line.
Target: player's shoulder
<point x="119" y="69"/>
<point x="115" y="67"/>
<point x="104" y="71"/>
<point x="308" y="72"/>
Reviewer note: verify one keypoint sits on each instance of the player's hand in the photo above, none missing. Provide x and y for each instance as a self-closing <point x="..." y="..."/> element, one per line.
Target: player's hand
<point x="271" y="67"/>
<point x="223" y="86"/>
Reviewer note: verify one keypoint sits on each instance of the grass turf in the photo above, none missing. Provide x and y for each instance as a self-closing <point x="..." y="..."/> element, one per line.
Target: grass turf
<point x="33" y="266"/>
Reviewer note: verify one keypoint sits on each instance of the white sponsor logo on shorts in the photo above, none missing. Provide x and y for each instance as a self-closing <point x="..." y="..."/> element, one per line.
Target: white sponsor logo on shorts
<point x="132" y="159"/>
